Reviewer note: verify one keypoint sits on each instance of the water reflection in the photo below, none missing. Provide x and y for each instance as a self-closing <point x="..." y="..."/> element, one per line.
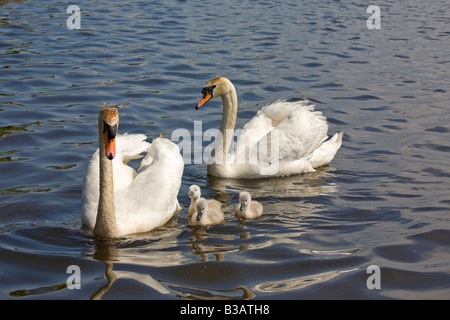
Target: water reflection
<point x="152" y="249"/>
<point x="14" y="129"/>
<point x="108" y="253"/>
<point x="306" y="185"/>
<point x="298" y="283"/>
<point x="200" y="243"/>
<point x="192" y="293"/>
<point x="37" y="291"/>
<point x="2" y="2"/>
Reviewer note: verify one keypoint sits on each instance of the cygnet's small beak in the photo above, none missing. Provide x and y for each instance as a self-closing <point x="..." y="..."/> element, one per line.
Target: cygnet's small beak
<point x="241" y="208"/>
<point x="190" y="193"/>
<point x="199" y="215"/>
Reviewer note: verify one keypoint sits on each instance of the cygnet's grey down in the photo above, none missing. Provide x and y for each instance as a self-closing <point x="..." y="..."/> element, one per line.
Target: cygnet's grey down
<point x="248" y="208"/>
<point x="205" y="215"/>
<point x="195" y="193"/>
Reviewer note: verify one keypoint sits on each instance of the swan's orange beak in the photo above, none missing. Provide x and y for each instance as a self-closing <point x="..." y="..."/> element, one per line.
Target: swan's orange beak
<point x="110" y="146"/>
<point x="205" y="99"/>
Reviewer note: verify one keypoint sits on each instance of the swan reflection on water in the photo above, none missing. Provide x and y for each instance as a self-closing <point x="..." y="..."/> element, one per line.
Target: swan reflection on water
<point x="288" y="188"/>
<point x="108" y="253"/>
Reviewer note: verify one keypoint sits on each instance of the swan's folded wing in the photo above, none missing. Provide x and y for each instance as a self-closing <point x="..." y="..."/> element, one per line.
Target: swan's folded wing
<point x="262" y="124"/>
<point x="282" y="109"/>
<point x="300" y="134"/>
<point x="271" y="116"/>
<point x="327" y="150"/>
<point x="282" y="131"/>
<point x="131" y="146"/>
<point x="151" y="199"/>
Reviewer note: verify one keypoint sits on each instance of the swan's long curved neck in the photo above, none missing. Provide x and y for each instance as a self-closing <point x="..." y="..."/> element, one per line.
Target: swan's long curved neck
<point x="228" y="123"/>
<point x="105" y="225"/>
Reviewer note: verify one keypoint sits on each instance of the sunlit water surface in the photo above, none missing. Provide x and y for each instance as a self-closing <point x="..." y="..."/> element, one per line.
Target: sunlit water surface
<point x="383" y="201"/>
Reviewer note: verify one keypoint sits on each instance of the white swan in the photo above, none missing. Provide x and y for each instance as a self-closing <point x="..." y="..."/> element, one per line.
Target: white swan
<point x="117" y="200"/>
<point x="248" y="208"/>
<point x="195" y="194"/>
<point x="205" y="215"/>
<point x="296" y="146"/>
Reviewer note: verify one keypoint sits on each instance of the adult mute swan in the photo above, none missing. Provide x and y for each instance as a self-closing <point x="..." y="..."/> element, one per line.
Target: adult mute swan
<point x="283" y="138"/>
<point x="248" y="208"/>
<point x="195" y="194"/>
<point x="205" y="215"/>
<point x="117" y="200"/>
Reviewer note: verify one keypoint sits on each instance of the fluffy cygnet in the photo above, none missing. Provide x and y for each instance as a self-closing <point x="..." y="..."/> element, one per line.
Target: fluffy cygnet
<point x="195" y="193"/>
<point x="248" y="208"/>
<point x="205" y="215"/>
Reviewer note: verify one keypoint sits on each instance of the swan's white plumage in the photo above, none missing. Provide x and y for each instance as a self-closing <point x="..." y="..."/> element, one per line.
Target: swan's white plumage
<point x="144" y="199"/>
<point x="299" y="133"/>
<point x="300" y="128"/>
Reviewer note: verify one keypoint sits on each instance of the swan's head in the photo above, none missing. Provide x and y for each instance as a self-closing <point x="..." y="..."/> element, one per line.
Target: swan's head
<point x="109" y="123"/>
<point x="216" y="87"/>
<point x="244" y="200"/>
<point x="202" y="207"/>
<point x="194" y="191"/>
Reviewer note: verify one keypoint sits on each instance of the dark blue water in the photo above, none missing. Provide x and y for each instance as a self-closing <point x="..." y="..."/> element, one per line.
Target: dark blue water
<point x="383" y="201"/>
